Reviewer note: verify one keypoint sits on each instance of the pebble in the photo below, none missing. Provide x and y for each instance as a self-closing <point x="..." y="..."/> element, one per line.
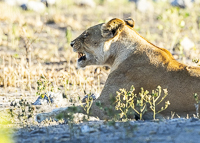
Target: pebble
<point x="182" y="3"/>
<point x="177" y="3"/>
<point x="187" y="44"/>
<point x="87" y="129"/>
<point x="143" y="5"/>
<point x="49" y="2"/>
<point x="55" y="98"/>
<point x="36" y="6"/>
<point x="194" y="119"/>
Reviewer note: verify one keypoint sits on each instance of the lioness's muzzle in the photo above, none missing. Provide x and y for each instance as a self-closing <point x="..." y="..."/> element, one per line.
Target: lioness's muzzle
<point x="72" y="43"/>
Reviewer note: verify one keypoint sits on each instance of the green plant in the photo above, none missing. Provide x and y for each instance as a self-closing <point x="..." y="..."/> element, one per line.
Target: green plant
<point x="126" y="100"/>
<point x="44" y="86"/>
<point x="23" y="111"/>
<point x="153" y="98"/>
<point x="88" y="103"/>
<point x="195" y="61"/>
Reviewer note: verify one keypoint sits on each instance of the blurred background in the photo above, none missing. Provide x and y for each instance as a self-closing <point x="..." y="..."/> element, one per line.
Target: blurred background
<point x="35" y="52"/>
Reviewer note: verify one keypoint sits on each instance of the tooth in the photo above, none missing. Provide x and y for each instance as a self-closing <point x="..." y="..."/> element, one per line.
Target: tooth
<point x="80" y="54"/>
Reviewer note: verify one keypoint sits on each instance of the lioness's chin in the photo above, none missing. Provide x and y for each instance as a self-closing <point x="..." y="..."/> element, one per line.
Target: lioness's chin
<point x="81" y="64"/>
<point x="82" y="60"/>
<point x="84" y="63"/>
<point x="87" y="60"/>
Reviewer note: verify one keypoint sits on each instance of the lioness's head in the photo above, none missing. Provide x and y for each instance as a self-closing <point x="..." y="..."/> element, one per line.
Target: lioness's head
<point x="94" y="44"/>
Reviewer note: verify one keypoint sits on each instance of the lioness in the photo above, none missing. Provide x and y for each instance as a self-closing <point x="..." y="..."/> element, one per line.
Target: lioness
<point x="134" y="61"/>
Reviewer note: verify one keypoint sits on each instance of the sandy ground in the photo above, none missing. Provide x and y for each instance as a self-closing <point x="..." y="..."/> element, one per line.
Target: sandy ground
<point x="178" y="130"/>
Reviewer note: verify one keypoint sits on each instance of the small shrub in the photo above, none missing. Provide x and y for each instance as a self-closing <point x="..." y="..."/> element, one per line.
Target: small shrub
<point x="153" y="98"/>
<point x="44" y="86"/>
<point x="126" y="100"/>
<point x="23" y="111"/>
<point x="88" y="104"/>
<point x="196" y="97"/>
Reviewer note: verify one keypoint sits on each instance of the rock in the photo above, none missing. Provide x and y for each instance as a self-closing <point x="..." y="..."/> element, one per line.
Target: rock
<point x="87" y="129"/>
<point x="89" y="3"/>
<point x="185" y="48"/>
<point x="182" y="3"/>
<point x="143" y="5"/>
<point x="49" y="2"/>
<point x="36" y="6"/>
<point x="194" y="119"/>
<point x="24" y="7"/>
<point x="50" y="97"/>
<point x="187" y="44"/>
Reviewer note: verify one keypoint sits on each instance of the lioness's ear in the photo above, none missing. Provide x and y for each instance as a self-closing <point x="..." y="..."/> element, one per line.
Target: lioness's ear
<point x="130" y="22"/>
<point x="111" y="28"/>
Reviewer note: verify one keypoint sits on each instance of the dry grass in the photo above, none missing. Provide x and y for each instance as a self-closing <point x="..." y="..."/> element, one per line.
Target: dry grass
<point x="35" y="45"/>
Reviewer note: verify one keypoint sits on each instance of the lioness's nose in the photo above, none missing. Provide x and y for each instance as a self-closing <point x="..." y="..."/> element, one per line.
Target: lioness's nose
<point x="72" y="43"/>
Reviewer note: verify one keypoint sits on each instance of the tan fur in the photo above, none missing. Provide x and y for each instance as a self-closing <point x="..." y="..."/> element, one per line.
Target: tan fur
<point x="135" y="61"/>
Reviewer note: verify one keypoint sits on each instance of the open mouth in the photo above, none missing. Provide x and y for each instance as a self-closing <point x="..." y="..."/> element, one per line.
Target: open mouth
<point x="81" y="56"/>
